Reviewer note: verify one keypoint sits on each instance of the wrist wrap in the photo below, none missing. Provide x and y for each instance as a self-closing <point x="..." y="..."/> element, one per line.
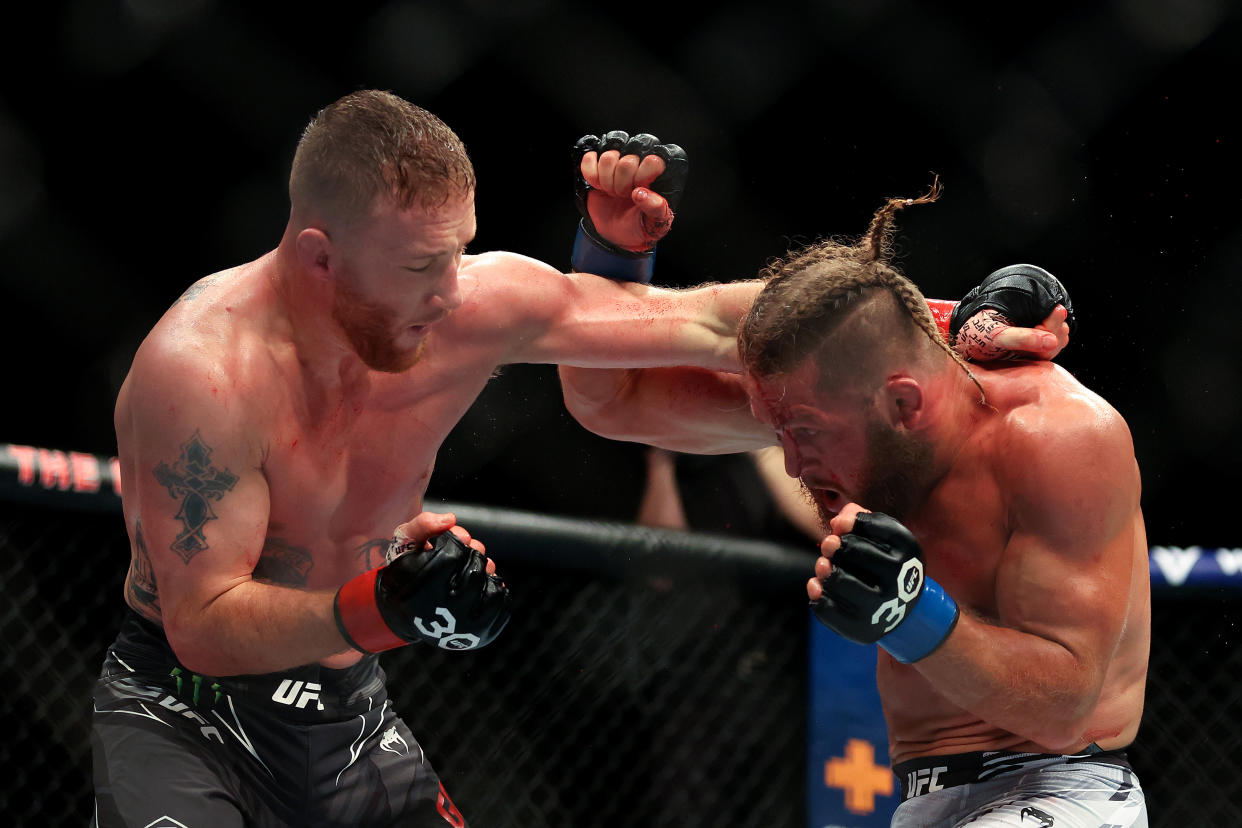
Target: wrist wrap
<point x="925" y="627"/>
<point x="594" y="255"/>
<point x="358" y="616"/>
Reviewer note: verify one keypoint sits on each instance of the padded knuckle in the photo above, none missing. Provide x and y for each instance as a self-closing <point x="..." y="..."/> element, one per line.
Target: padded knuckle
<point x="614" y="140"/>
<point x="585" y="144"/>
<point x="641" y="144"/>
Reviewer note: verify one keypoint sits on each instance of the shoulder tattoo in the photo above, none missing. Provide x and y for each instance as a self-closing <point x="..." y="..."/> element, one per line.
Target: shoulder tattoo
<point x="195" y="289"/>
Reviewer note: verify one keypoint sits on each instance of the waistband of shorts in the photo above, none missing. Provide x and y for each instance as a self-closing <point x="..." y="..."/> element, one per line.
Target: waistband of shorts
<point x="309" y="693"/>
<point x="928" y="774"/>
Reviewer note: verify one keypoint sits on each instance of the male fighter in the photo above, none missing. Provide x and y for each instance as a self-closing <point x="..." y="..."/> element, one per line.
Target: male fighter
<point x="278" y="422"/>
<point x="1003" y="571"/>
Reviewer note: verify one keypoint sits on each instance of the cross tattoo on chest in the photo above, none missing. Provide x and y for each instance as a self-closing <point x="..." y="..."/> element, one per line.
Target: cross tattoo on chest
<point x="193" y="479"/>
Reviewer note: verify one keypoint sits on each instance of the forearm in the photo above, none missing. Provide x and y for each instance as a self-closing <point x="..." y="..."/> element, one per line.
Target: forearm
<point x="255" y="627"/>
<point x="721" y="308"/>
<point x="1016" y="681"/>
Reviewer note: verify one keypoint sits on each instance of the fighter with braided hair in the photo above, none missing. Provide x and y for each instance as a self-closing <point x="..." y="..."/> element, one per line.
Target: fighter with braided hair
<point x="983" y="527"/>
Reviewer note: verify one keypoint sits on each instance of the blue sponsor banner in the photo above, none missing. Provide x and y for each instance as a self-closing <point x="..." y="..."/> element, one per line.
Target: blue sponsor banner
<point x="849" y="782"/>
<point x="1195" y="566"/>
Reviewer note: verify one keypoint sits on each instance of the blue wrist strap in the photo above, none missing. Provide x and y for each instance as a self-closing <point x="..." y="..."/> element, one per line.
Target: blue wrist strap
<point x="925" y="628"/>
<point x="590" y="256"/>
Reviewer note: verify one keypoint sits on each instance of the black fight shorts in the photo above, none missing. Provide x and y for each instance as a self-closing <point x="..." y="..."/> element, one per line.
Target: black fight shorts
<point x="309" y="746"/>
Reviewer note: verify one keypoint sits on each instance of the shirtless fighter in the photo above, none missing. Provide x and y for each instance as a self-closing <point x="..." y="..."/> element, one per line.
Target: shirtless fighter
<point x="1002" y="567"/>
<point x="283" y="417"/>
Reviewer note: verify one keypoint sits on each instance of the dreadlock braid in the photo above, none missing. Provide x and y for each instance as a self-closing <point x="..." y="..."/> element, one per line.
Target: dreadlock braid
<point x="810" y="292"/>
<point x="914" y="303"/>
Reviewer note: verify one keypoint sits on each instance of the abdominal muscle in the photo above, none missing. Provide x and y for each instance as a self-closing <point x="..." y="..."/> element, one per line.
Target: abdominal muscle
<point x="921" y="722"/>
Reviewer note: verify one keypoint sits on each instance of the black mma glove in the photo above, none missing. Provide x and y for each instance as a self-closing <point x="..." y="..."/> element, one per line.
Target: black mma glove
<point x="443" y="596"/>
<point x="1023" y="294"/>
<point x="592" y="253"/>
<point x="877" y="593"/>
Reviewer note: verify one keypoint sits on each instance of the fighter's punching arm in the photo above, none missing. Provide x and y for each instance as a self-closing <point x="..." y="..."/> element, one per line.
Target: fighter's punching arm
<point x="200" y="501"/>
<point x="626" y="189"/>
<point x="620" y="184"/>
<point x="534" y="313"/>
<point x="1063" y="589"/>
<point x="689" y="410"/>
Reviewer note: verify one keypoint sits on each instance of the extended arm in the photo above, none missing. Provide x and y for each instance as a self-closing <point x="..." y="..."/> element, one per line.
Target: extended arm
<point x="535" y="313"/>
<point x="685" y="409"/>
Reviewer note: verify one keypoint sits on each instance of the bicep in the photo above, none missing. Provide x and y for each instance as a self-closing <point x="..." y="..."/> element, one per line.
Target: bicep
<point x="588" y="321"/>
<point x="1066" y="570"/>
<point x="200" y="499"/>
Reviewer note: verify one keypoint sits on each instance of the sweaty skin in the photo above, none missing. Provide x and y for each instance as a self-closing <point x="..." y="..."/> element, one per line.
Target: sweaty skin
<point x="1031" y="522"/>
<point x="264" y="464"/>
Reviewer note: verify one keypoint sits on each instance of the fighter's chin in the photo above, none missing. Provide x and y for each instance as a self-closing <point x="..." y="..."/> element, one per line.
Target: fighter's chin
<point x="394" y="361"/>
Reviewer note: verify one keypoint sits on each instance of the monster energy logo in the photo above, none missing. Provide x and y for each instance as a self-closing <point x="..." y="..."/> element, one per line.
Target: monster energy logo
<point x="197" y="681"/>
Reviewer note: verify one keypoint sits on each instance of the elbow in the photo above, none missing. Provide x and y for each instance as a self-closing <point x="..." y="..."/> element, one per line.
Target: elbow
<point x="189" y="650"/>
<point x="591" y="397"/>
<point x="1060" y="725"/>
<point x="194" y="646"/>
<point x="1059" y="737"/>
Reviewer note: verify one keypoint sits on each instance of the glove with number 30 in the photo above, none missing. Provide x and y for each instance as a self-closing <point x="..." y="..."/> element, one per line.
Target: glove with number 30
<point x="442" y="595"/>
<point x="877" y="592"/>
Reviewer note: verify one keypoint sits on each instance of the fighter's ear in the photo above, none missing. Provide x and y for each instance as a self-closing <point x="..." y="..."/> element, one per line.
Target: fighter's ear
<point x="315" y="252"/>
<point x="903" y="400"/>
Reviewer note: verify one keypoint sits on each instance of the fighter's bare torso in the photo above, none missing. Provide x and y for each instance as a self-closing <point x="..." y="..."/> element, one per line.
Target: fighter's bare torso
<point x="972" y="552"/>
<point x="344" y="453"/>
<point x="345" y="464"/>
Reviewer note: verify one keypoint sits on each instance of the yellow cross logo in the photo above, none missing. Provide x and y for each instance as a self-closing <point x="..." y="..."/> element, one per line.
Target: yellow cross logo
<point x="859" y="776"/>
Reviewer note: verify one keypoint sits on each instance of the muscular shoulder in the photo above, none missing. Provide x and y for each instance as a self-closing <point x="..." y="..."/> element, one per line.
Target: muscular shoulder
<point x="501" y="274"/>
<point x="201" y="360"/>
<point x="1063" y="454"/>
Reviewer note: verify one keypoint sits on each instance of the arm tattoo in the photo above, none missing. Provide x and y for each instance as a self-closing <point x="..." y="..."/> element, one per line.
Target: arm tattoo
<point x="283" y="563"/>
<point x="192" y="479"/>
<point x="140" y="590"/>
<point x="377" y="547"/>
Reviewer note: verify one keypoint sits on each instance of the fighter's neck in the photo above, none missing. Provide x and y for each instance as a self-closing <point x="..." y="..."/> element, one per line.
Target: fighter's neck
<point x="957" y="408"/>
<point x="301" y="318"/>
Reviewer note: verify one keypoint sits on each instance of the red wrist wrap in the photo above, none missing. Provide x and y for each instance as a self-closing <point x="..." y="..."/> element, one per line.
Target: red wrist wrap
<point x="941" y="310"/>
<point x="358" y="616"/>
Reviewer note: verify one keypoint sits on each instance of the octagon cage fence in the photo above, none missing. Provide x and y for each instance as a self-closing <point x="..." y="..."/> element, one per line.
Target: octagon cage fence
<point x="648" y="677"/>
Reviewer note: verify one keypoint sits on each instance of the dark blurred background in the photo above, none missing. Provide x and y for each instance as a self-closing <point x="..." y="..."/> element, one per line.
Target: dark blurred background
<point x="144" y="144"/>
